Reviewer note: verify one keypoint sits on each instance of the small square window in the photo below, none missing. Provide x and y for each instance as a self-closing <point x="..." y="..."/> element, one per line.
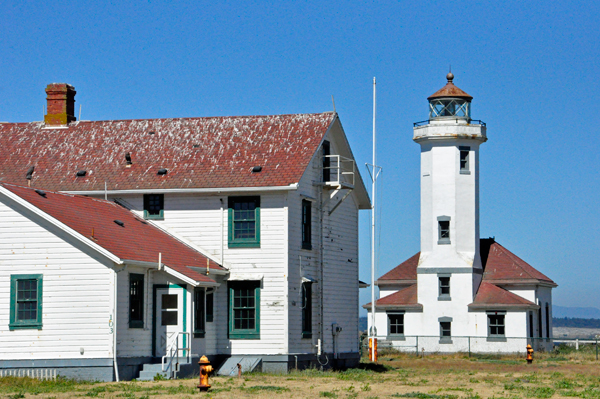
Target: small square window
<point x="395" y="324"/>
<point x="444" y="288"/>
<point x="154" y="206"/>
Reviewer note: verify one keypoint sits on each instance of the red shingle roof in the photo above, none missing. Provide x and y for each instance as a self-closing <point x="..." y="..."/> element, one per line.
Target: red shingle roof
<point x="502" y="266"/>
<point x="197" y="152"/>
<point x="406" y="270"/>
<point x="135" y="240"/>
<point x="490" y="296"/>
<point x="406" y="298"/>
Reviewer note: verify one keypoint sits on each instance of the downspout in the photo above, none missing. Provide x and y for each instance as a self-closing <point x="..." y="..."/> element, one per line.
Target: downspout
<point x="222" y="231"/>
<point x="321" y="257"/>
<point x="114" y="326"/>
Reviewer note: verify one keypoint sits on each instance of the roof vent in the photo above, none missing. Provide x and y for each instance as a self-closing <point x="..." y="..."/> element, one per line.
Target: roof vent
<point x="128" y="158"/>
<point x="40" y="192"/>
<point x="196" y="145"/>
<point x="256" y="169"/>
<point x="29" y="174"/>
<point x="162" y="171"/>
<point x="120" y="223"/>
<point x="81" y="173"/>
<point x="151" y="132"/>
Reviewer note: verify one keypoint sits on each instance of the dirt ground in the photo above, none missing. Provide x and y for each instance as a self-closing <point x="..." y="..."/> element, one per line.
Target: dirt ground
<point x="435" y="376"/>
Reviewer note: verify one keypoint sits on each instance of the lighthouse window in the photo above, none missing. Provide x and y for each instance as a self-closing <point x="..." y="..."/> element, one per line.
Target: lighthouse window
<point x="445" y="330"/>
<point x="464" y="160"/>
<point x="444" y="288"/>
<point x="443" y="230"/>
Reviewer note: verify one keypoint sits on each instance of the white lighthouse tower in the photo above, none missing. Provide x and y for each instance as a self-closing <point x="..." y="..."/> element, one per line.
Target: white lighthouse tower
<point x="449" y="270"/>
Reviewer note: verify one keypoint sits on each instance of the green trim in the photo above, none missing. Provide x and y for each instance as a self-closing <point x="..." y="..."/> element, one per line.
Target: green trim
<point x="243" y="242"/>
<point x="161" y="214"/>
<point x="244" y="333"/>
<point x="23" y="324"/>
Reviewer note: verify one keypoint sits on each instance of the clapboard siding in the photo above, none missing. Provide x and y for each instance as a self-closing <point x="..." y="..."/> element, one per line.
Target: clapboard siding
<point x="340" y="277"/>
<point x="200" y="220"/>
<point x="77" y="294"/>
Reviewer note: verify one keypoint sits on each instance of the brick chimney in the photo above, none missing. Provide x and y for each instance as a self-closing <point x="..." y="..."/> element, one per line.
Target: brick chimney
<point x="61" y="104"/>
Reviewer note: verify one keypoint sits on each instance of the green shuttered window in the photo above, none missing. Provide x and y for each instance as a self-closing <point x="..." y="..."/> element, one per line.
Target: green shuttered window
<point x="25" y="301"/>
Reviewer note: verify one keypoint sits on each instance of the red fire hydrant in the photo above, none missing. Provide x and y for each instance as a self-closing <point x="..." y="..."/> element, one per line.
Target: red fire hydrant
<point x="529" y="354"/>
<point x="205" y="369"/>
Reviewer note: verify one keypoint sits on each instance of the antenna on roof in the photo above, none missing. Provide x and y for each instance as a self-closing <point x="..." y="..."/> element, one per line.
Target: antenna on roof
<point x="105" y="192"/>
<point x="79" y="113"/>
<point x="333" y="101"/>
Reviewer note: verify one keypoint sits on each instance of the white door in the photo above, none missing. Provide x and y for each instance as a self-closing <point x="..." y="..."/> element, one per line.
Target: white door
<point x="170" y="318"/>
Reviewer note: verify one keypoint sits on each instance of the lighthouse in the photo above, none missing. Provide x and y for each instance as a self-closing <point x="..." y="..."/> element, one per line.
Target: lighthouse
<point x="449" y="270"/>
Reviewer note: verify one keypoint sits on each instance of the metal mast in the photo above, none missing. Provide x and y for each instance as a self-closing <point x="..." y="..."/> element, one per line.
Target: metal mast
<point x="373" y="193"/>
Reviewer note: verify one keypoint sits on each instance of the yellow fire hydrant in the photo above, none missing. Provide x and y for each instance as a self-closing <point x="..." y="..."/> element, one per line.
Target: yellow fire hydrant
<point x="529" y="354"/>
<point x="205" y="369"/>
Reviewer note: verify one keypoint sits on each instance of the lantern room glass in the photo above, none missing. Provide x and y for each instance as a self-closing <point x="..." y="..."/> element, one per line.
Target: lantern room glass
<point x="449" y="108"/>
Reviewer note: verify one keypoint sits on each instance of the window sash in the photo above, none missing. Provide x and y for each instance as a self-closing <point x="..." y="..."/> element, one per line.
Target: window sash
<point x="154" y="205"/>
<point x="244" y="310"/>
<point x="496" y="325"/>
<point x="244" y="222"/>
<point x="136" y="300"/>
<point x="395" y="324"/>
<point x="25" y="301"/>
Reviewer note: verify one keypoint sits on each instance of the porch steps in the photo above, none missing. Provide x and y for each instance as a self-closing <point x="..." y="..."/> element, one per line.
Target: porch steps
<point x="149" y="371"/>
<point x="249" y="363"/>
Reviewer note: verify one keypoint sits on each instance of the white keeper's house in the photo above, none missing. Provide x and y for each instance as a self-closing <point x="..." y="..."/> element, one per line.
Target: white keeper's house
<point x="124" y="243"/>
<point x="460" y="292"/>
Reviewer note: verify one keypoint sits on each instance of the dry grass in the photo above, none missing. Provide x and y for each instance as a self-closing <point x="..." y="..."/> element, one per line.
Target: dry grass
<point x="397" y="375"/>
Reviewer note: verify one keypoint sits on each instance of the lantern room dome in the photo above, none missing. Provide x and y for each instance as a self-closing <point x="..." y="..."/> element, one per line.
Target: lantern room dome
<point x="449" y="102"/>
<point x="450" y="90"/>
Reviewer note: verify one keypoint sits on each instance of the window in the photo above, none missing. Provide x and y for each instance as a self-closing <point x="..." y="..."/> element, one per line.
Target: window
<point x="307" y="310"/>
<point x="395" y="324"/>
<point x="244" y="222"/>
<point x="154" y="206"/>
<point x="244" y="310"/>
<point x="199" y="312"/>
<point x="306" y="224"/>
<point x="540" y="322"/>
<point x="326" y="150"/>
<point x="464" y="160"/>
<point x="209" y="305"/>
<point x="530" y="324"/>
<point x="496" y="325"/>
<point x="444" y="288"/>
<point x="25" y="301"/>
<point x="443" y="230"/>
<point x="445" y="330"/>
<point x="136" y="300"/>
<point x="547" y="320"/>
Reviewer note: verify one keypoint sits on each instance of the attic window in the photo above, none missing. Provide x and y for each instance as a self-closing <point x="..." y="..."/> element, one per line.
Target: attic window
<point x="162" y="171"/>
<point x="81" y="173"/>
<point x="256" y="169"/>
<point x="42" y="193"/>
<point x="120" y="223"/>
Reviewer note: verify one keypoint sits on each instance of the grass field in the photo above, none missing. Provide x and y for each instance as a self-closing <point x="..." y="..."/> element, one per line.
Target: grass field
<point x="562" y="373"/>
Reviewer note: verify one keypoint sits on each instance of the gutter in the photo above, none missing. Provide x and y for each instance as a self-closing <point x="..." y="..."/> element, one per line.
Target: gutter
<point x="218" y="190"/>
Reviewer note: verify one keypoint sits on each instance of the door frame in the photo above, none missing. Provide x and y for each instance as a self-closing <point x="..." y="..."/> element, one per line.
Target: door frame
<point x="155" y="289"/>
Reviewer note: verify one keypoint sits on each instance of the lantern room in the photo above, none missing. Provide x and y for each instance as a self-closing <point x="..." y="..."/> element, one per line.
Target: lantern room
<point x="449" y="102"/>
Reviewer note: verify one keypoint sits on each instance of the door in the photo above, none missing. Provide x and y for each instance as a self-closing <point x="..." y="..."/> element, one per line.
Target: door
<point x="170" y="318"/>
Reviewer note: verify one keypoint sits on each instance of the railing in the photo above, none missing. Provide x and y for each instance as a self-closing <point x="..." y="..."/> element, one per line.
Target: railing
<point x="341" y="170"/>
<point x="420" y="345"/>
<point x="172" y="355"/>
<point x="469" y="121"/>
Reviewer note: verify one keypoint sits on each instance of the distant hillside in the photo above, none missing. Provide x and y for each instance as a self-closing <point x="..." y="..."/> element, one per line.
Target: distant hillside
<point x="575" y="322"/>
<point x="578" y="313"/>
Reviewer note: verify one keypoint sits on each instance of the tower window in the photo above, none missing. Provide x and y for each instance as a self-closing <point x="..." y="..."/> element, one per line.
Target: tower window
<point x="444" y="288"/>
<point x="464" y="160"/>
<point x="443" y="230"/>
<point x="445" y="330"/>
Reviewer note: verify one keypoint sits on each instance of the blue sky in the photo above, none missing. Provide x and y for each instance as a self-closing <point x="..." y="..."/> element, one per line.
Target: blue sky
<point x="532" y="68"/>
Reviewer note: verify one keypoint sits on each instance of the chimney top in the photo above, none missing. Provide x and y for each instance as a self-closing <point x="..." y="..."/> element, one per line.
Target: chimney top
<point x="60" y="104"/>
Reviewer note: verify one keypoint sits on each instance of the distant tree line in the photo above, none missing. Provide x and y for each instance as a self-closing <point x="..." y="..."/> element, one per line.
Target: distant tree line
<point x="575" y="322"/>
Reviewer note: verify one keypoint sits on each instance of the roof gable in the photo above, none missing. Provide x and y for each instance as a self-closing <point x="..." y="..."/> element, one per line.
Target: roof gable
<point x="406" y="270"/>
<point x="491" y="296"/>
<point x="117" y="230"/>
<point x="406" y="298"/>
<point x="197" y="152"/>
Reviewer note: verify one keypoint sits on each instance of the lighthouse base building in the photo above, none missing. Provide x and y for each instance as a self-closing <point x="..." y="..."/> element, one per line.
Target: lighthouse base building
<point x="460" y="293"/>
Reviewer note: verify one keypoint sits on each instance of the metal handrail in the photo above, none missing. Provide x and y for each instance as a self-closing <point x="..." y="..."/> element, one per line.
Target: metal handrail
<point x="469" y="121"/>
<point x="173" y="353"/>
<point x="343" y="167"/>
